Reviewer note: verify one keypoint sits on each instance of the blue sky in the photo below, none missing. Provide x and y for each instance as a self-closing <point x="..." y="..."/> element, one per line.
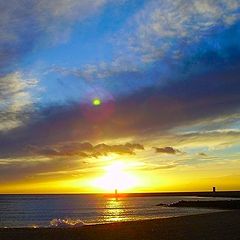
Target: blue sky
<point x="166" y="72"/>
<point x="115" y="46"/>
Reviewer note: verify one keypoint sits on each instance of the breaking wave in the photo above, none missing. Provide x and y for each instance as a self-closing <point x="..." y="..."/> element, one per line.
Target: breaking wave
<point x="66" y="223"/>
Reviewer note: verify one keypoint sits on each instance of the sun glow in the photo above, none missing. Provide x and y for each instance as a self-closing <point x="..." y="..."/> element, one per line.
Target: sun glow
<point x="116" y="177"/>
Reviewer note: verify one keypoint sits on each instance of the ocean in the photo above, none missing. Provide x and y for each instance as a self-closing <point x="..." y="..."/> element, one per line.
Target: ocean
<point x="76" y="210"/>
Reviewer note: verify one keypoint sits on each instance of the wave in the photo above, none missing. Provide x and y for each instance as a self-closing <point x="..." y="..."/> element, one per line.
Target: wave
<point x="66" y="223"/>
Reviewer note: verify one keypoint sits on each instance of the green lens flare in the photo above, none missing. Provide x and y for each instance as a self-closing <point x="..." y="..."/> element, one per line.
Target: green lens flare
<point x="96" y="102"/>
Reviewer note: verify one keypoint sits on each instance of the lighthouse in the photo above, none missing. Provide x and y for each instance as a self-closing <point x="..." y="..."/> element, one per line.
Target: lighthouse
<point x="116" y="194"/>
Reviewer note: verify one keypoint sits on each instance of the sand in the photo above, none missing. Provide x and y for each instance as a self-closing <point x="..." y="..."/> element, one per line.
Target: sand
<point x="219" y="226"/>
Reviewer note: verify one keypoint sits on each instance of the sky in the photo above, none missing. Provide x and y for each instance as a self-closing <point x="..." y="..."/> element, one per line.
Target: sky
<point x="144" y="90"/>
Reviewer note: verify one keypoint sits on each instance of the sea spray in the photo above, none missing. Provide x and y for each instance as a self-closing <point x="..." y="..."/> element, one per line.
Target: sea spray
<point x="66" y="223"/>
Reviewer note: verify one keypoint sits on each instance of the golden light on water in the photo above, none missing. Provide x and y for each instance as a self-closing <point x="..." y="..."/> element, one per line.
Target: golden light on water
<point x="114" y="211"/>
<point x="117" y="176"/>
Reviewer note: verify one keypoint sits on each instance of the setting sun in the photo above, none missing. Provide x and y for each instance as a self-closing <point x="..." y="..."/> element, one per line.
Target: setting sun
<point x="118" y="177"/>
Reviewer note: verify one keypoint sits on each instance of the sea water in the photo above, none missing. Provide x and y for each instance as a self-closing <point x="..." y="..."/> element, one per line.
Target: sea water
<point x="76" y="210"/>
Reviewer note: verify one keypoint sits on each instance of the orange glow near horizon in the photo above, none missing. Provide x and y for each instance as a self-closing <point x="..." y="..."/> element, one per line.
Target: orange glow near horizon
<point x="131" y="175"/>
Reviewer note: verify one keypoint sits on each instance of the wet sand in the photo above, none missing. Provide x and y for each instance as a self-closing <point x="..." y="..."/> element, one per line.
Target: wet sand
<point x="211" y="226"/>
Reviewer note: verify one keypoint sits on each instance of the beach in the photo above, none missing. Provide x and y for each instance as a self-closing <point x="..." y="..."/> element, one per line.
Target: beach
<point x="219" y="226"/>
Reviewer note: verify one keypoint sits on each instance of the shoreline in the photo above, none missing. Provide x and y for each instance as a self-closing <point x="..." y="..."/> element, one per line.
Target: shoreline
<point x="116" y="222"/>
<point x="216" y="225"/>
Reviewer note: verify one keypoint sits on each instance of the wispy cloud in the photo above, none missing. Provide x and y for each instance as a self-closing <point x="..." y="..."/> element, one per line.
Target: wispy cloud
<point x="162" y="27"/>
<point x="16" y="100"/>
<point x="27" y="24"/>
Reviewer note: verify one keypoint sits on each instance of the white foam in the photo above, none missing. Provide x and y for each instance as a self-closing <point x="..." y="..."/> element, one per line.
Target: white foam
<point x="66" y="223"/>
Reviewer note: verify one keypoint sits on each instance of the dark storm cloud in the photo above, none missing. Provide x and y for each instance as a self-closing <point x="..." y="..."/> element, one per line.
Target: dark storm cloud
<point x="167" y="150"/>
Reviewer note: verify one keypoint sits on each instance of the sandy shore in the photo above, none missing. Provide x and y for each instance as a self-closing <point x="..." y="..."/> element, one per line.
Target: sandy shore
<point x="219" y="226"/>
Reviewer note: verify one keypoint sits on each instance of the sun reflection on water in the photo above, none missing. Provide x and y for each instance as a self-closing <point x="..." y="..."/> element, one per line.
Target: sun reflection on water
<point x="114" y="211"/>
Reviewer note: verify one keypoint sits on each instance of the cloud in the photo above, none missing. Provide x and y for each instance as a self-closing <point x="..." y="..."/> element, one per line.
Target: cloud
<point x="157" y="167"/>
<point x="201" y="154"/>
<point x="91" y="72"/>
<point x="25" y="25"/>
<point x="88" y="150"/>
<point x="212" y="140"/>
<point x="201" y="99"/>
<point x="16" y="100"/>
<point x="67" y="150"/>
<point x="161" y="27"/>
<point x="174" y="73"/>
<point x="57" y="17"/>
<point x="128" y="148"/>
<point x="198" y="55"/>
<point x="34" y="168"/>
<point x="29" y="24"/>
<point x="70" y="159"/>
<point x="167" y="150"/>
<point x="137" y="103"/>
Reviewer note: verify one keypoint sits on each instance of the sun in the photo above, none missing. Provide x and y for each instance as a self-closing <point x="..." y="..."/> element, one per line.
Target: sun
<point x="118" y="177"/>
